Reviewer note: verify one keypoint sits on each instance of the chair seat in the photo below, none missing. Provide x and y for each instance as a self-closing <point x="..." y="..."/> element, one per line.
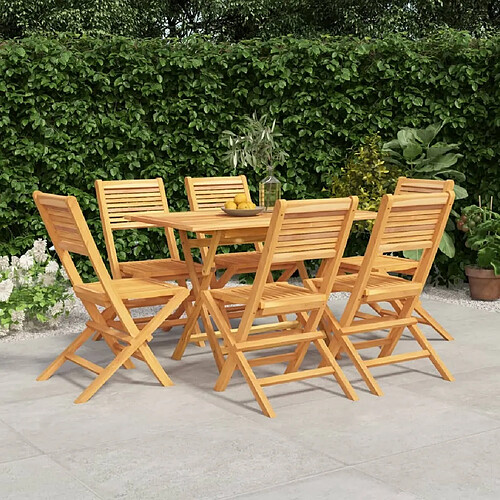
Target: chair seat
<point x="379" y="286"/>
<point x="245" y="261"/>
<point x="127" y="289"/>
<point x="274" y="295"/>
<point x="164" y="269"/>
<point x="383" y="263"/>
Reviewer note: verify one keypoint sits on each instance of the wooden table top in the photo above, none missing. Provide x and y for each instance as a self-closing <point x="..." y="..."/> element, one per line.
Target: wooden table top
<point x="209" y="221"/>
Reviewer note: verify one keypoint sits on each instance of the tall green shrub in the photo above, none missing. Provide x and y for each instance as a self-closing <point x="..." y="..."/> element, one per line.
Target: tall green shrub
<point x="75" y="109"/>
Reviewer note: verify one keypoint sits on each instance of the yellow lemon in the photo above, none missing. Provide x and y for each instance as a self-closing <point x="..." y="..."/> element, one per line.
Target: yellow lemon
<point x="243" y="206"/>
<point x="251" y="205"/>
<point x="240" y="198"/>
<point x="231" y="205"/>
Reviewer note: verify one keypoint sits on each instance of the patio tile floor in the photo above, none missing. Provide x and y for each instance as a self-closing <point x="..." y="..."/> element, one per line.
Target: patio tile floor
<point x="424" y="439"/>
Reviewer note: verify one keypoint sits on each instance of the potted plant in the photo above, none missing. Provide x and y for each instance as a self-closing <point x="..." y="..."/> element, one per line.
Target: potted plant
<point x="482" y="227"/>
<point x="257" y="148"/>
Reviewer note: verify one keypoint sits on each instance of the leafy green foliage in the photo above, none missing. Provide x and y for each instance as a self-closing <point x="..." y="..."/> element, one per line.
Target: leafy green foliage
<point x="76" y="109"/>
<point x="257" y="147"/>
<point x="366" y="174"/>
<point x="414" y="152"/>
<point x="243" y="19"/>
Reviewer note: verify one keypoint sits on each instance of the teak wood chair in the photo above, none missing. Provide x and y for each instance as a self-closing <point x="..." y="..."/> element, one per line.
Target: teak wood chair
<point x="404" y="222"/>
<point x="301" y="230"/>
<point x="208" y="193"/>
<point x="125" y="336"/>
<point x="122" y="198"/>
<point x="401" y="265"/>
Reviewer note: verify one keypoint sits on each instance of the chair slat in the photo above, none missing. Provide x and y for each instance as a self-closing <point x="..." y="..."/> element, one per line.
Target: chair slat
<point x="372" y="285"/>
<point x="69" y="233"/>
<point x="288" y="239"/>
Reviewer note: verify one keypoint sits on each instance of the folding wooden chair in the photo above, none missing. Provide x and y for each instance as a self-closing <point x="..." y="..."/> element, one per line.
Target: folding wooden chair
<point x="125" y="337"/>
<point x="301" y="230"/>
<point x="119" y="199"/>
<point x="401" y="265"/>
<point x="208" y="193"/>
<point x="404" y="222"/>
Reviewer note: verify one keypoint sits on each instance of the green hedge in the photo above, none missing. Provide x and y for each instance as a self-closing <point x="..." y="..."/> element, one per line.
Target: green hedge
<point x="75" y="109"/>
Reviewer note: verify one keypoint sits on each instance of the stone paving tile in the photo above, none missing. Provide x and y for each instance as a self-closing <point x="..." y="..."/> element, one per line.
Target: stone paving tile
<point x="56" y="423"/>
<point x="208" y="460"/>
<point x="40" y="478"/>
<point x="355" y="432"/>
<point x="478" y="390"/>
<point x="343" y="483"/>
<point x="425" y="438"/>
<point x="13" y="446"/>
<point x="462" y="469"/>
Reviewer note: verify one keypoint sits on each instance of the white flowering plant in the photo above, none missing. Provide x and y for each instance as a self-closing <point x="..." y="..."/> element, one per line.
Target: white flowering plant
<point x="32" y="288"/>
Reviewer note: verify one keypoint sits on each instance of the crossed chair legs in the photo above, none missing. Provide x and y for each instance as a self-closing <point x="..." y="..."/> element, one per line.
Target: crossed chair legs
<point x="423" y="317"/>
<point x="236" y="359"/>
<point x="340" y="342"/>
<point x="124" y="346"/>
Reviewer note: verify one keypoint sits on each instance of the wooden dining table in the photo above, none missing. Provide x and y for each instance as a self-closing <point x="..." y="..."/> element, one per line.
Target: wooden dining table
<point x="216" y="228"/>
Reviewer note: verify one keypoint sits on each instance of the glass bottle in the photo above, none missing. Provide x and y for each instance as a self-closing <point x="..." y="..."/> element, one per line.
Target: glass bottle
<point x="269" y="190"/>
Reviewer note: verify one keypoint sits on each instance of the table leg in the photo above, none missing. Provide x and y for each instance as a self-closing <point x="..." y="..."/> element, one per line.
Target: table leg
<point x="199" y="308"/>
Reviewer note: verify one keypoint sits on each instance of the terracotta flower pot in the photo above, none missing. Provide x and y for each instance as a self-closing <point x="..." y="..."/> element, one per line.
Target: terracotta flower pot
<point x="483" y="283"/>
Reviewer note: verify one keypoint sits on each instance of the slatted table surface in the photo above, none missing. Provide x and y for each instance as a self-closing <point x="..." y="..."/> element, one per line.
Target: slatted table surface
<point x="209" y="221"/>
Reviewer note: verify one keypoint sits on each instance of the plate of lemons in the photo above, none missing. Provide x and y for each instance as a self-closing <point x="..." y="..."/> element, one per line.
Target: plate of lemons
<point x="241" y="206"/>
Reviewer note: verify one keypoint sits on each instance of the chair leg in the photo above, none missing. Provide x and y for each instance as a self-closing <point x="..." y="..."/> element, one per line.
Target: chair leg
<point x="71" y="349"/>
<point x="189" y="307"/>
<point x="286" y="274"/>
<point x="128" y="364"/>
<point x="394" y="336"/>
<point x="327" y="323"/>
<point x="102" y="319"/>
<point x="186" y="334"/>
<point x="433" y="356"/>
<point x="301" y="267"/>
<point x="155" y="365"/>
<point x="254" y="385"/>
<point x="429" y="320"/>
<point x="358" y="362"/>
<point x="224" y="279"/>
<point x="339" y="373"/>
<point x="296" y="361"/>
<point x="115" y="364"/>
<point x="225" y="375"/>
<point x="101" y="379"/>
<point x="175" y="315"/>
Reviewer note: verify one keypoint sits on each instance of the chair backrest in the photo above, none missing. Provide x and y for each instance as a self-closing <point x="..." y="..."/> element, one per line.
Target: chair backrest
<point x="118" y="199"/>
<point x="212" y="192"/>
<point x="307" y="229"/>
<point x="69" y="233"/>
<point x="406" y="185"/>
<point x="408" y="222"/>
